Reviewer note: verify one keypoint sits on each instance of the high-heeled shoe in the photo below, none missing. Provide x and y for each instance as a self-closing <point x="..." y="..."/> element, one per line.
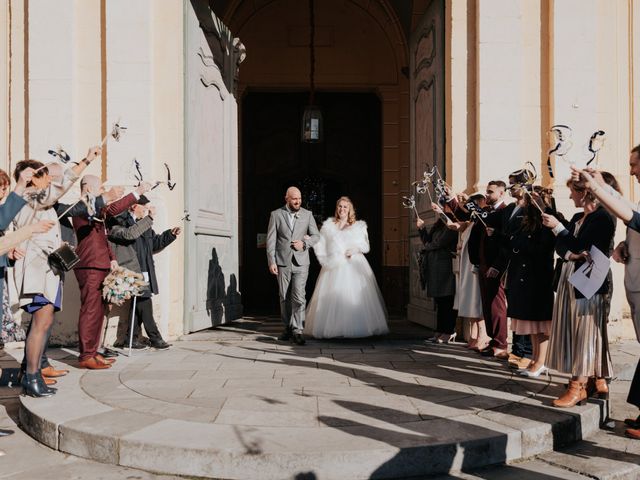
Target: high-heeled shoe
<point x="447" y="337"/>
<point x="33" y="387"/>
<point x="533" y="374"/>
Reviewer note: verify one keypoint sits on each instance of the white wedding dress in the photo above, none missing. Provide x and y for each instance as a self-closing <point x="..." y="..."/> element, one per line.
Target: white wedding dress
<point x="346" y="302"/>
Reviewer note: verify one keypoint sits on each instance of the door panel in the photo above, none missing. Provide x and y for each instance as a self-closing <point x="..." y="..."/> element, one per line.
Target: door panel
<point x="211" y="237"/>
<point x="427" y="138"/>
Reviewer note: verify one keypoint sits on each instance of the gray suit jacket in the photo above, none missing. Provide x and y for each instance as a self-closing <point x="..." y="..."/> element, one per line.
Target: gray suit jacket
<point x="280" y="235"/>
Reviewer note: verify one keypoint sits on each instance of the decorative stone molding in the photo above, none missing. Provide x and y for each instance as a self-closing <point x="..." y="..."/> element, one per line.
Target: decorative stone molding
<point x="227" y="51"/>
<point x="424" y="61"/>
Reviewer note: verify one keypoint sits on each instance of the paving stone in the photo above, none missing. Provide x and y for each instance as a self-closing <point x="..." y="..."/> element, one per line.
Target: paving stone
<point x="239" y="407"/>
<point x="41" y="417"/>
<point x="97" y="436"/>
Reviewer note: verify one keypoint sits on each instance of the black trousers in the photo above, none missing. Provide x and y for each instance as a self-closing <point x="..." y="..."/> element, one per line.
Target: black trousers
<point x="522" y="346"/>
<point x="634" y="390"/>
<point x="144" y="316"/>
<point x="445" y="314"/>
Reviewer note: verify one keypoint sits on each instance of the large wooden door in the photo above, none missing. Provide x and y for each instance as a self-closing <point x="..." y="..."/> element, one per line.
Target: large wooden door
<point x="211" y="173"/>
<point x="427" y="136"/>
<point x="347" y="162"/>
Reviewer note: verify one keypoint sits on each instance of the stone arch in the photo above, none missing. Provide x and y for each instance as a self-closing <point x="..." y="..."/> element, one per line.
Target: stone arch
<point x="243" y="18"/>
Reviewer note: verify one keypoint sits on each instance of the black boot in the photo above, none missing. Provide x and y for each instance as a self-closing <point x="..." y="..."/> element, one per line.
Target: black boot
<point x="33" y="387"/>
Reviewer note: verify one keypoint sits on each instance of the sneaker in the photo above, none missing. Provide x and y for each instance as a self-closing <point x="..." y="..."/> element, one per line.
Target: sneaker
<point x="161" y="345"/>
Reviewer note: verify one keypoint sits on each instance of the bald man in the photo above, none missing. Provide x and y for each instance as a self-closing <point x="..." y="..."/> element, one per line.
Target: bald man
<point x="96" y="260"/>
<point x="292" y="231"/>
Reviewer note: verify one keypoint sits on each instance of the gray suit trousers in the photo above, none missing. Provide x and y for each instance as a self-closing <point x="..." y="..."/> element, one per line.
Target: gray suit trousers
<point x="292" y="281"/>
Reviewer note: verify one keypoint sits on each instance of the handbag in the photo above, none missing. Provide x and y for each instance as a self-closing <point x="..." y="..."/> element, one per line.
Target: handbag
<point x="64" y="258"/>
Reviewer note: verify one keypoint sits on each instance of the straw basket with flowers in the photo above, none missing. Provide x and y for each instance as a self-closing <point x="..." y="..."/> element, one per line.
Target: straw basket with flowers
<point x="122" y="284"/>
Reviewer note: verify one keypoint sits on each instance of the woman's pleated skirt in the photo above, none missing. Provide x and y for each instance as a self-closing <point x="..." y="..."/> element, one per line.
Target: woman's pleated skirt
<point x="578" y="342"/>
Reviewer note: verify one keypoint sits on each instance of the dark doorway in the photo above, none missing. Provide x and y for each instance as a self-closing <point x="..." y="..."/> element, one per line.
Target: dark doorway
<point x="348" y="162"/>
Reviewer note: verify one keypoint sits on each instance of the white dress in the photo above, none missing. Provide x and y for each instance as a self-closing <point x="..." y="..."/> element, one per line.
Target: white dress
<point x="346" y="302"/>
<point x="467" y="301"/>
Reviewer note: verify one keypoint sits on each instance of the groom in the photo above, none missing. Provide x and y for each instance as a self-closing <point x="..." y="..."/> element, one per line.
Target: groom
<point x="288" y="257"/>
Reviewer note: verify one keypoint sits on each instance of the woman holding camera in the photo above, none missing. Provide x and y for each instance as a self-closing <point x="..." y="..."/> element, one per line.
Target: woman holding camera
<point x="39" y="285"/>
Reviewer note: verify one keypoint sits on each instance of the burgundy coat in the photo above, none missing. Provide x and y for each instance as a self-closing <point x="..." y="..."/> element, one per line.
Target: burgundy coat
<point x="93" y="247"/>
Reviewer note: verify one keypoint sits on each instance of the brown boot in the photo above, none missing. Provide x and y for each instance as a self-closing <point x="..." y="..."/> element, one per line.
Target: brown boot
<point x="575" y="394"/>
<point x="602" y="388"/>
<point x="591" y="387"/>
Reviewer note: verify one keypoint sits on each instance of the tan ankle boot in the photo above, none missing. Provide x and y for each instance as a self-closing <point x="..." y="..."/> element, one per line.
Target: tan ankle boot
<point x="602" y="388"/>
<point x="575" y="394"/>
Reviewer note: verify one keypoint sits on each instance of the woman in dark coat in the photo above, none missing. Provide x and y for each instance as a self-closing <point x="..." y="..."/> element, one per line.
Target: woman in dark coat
<point x="439" y="247"/>
<point x="529" y="280"/>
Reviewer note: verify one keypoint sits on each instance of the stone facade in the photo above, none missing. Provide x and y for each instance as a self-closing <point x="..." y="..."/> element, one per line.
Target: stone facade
<point x="170" y="71"/>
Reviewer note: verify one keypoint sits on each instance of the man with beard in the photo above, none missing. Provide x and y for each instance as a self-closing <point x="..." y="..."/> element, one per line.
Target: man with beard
<point x="628" y="252"/>
<point x="292" y="231"/>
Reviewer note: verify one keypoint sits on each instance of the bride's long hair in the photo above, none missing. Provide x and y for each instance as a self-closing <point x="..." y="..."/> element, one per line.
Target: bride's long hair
<point x="351" y="218"/>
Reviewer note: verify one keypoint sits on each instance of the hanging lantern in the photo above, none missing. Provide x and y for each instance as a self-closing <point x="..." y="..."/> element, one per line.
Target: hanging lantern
<point x="312" y="124"/>
<point x="312" y="117"/>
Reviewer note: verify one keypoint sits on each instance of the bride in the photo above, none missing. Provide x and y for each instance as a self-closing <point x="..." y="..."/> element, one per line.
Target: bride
<point x="347" y="301"/>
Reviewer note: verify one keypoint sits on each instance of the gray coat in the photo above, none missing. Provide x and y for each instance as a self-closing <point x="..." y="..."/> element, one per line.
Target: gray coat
<point x="280" y="235"/>
<point x="122" y="240"/>
<point x="144" y="241"/>
<point x="440" y="246"/>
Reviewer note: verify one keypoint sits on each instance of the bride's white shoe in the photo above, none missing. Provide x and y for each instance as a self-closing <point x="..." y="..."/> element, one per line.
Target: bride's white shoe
<point x="447" y="338"/>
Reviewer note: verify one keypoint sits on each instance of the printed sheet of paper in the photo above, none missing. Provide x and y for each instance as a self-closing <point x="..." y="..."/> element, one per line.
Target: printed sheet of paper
<point x="590" y="276"/>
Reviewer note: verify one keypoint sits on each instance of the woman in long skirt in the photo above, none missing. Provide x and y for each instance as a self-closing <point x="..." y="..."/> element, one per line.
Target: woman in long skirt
<point x="578" y="344"/>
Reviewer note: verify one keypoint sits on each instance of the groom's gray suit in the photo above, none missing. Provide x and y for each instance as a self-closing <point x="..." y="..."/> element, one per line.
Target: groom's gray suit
<point x="286" y="226"/>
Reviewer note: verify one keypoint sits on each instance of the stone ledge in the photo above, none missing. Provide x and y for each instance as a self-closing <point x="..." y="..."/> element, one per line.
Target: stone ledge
<point x="130" y="416"/>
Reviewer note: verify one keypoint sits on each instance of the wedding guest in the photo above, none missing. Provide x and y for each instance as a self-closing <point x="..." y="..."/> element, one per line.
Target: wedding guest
<point x="8" y="210"/>
<point x="440" y="246"/>
<point x="468" y="300"/>
<point x="529" y="284"/>
<point x="578" y="342"/>
<point x="40" y="286"/>
<point x="10" y="330"/>
<point x="135" y="242"/>
<point x="627" y="252"/>
<point x="346" y="302"/>
<point x="96" y="259"/>
<point x="483" y="252"/>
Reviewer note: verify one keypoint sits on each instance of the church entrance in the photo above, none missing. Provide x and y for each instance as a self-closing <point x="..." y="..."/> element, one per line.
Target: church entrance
<point x="347" y="162"/>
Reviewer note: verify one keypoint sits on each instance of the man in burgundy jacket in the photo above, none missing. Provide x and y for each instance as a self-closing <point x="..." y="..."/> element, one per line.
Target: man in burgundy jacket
<point x="96" y="260"/>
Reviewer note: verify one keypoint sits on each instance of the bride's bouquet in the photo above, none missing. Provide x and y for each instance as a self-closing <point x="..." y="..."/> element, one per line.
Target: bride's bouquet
<point x="122" y="284"/>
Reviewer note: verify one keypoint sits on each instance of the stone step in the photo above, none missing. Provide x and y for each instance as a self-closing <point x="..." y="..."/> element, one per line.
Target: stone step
<point x="191" y="411"/>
